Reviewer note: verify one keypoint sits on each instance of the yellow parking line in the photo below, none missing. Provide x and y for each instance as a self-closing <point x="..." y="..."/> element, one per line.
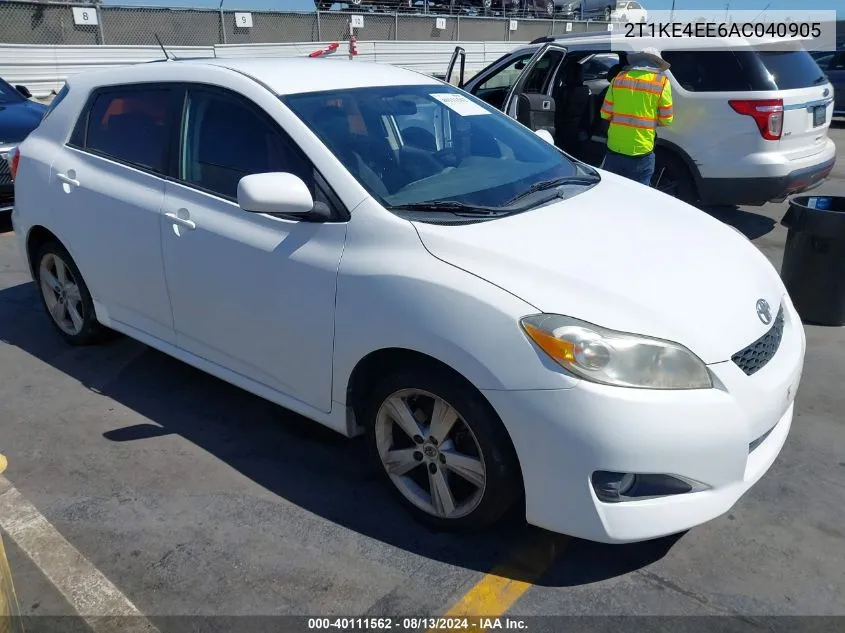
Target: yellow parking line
<point x="500" y="588"/>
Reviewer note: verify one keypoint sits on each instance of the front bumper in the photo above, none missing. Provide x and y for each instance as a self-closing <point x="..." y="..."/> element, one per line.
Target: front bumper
<point x="724" y="439"/>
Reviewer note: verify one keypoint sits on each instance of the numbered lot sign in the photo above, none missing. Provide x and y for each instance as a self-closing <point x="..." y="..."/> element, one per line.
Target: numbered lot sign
<point x="84" y="16"/>
<point x="440" y="23"/>
<point x="512" y="25"/>
<point x="357" y="21"/>
<point x="243" y="20"/>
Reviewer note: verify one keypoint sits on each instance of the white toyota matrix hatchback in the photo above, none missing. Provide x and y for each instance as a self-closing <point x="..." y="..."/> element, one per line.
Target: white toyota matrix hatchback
<point x="384" y="254"/>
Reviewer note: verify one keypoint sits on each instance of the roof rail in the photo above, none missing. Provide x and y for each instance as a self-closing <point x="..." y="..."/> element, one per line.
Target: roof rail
<point x="569" y="36"/>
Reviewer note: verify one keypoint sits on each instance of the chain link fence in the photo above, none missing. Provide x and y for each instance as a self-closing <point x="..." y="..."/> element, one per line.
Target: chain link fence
<point x="54" y="23"/>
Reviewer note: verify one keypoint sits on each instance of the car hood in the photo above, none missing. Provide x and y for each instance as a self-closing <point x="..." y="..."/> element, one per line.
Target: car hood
<point x="17" y="120"/>
<point x="625" y="257"/>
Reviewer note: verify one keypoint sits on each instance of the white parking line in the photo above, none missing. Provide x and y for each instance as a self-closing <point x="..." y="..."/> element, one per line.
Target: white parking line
<point x="88" y="591"/>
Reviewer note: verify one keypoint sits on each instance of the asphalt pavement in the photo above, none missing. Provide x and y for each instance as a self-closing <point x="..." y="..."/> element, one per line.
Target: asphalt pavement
<point x="191" y="497"/>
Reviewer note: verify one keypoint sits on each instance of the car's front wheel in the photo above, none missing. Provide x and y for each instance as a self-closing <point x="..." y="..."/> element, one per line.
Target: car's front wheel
<point x="442" y="448"/>
<point x="65" y="296"/>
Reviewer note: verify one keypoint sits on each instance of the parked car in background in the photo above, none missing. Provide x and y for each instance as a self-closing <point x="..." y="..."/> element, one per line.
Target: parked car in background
<point x="751" y="126"/>
<point x="833" y="65"/>
<point x="386" y="255"/>
<point x="629" y="12"/>
<point x="595" y="9"/>
<point x="18" y="117"/>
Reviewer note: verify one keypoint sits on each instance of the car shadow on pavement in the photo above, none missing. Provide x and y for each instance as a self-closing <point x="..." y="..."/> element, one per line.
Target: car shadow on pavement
<point x="752" y="225"/>
<point x="298" y="460"/>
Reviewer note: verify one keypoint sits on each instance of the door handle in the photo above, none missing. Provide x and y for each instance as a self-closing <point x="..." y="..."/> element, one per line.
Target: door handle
<point x="188" y="224"/>
<point x="68" y="180"/>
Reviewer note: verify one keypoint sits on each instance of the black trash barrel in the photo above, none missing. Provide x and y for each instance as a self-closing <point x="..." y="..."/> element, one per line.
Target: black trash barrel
<point x="813" y="268"/>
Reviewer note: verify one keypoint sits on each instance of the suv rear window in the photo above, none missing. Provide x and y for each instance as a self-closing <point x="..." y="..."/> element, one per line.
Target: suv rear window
<point x="745" y="70"/>
<point x="791" y="69"/>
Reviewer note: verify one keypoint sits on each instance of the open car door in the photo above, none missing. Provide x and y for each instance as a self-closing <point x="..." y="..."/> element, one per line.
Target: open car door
<point x="459" y="55"/>
<point x="531" y="100"/>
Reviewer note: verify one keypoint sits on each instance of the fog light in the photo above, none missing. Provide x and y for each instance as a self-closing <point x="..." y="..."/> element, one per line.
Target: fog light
<point x="610" y="486"/>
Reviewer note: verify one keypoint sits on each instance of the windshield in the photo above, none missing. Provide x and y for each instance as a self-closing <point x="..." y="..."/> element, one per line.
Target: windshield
<point x="8" y="94"/>
<point x="418" y="145"/>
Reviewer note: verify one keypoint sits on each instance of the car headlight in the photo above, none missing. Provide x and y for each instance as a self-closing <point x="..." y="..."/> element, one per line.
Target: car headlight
<point x="616" y="358"/>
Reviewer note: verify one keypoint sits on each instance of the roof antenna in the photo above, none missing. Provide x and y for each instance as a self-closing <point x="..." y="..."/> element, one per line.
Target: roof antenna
<point x="164" y="50"/>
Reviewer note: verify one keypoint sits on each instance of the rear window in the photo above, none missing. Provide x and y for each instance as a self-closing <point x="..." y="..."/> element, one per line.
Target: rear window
<point x="744" y="70"/>
<point x="791" y="69"/>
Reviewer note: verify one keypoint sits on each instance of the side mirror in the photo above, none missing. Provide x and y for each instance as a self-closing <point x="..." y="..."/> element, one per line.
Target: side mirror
<point x="278" y="193"/>
<point x="546" y="136"/>
<point x="24" y="91"/>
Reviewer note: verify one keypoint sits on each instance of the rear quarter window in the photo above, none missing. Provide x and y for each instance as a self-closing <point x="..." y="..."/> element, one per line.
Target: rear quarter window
<point x="708" y="71"/>
<point x="744" y="70"/>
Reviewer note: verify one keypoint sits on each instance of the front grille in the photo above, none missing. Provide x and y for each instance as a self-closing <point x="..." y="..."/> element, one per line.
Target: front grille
<point x="754" y="357"/>
<point x="5" y="173"/>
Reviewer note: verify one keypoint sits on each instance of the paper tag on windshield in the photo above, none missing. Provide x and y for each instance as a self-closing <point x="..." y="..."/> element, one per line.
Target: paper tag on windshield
<point x="460" y="104"/>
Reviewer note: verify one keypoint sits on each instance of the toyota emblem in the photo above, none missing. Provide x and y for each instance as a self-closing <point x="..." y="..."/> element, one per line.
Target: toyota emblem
<point x="764" y="311"/>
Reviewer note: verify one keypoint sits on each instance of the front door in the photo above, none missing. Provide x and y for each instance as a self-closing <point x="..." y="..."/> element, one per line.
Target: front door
<point x="107" y="190"/>
<point x="251" y="293"/>
<point x="536" y="76"/>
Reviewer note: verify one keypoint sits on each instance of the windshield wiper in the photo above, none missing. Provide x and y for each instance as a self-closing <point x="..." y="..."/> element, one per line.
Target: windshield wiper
<point x="544" y="185"/>
<point x="449" y="206"/>
<point x="820" y="80"/>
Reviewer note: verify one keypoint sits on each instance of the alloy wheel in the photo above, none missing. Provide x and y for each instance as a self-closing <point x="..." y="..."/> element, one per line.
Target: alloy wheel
<point x="61" y="294"/>
<point x="430" y="453"/>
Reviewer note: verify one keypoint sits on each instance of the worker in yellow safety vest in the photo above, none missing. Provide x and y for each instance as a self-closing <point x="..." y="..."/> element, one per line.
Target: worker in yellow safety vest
<point x="638" y="100"/>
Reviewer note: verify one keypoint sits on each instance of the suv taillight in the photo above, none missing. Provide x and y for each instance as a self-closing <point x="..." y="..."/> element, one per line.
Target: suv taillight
<point x="14" y="159"/>
<point x="767" y="114"/>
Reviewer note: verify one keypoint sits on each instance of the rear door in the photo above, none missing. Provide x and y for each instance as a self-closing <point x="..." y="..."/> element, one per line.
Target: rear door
<point x="536" y="75"/>
<point x="807" y="100"/>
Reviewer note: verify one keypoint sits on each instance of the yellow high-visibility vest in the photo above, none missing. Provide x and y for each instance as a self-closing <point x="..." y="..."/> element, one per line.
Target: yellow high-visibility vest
<point x="637" y="101"/>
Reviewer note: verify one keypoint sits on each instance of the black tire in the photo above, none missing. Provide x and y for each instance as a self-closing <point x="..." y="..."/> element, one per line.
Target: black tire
<point x="91" y="331"/>
<point x="674" y="177"/>
<point x="503" y="486"/>
<point x="607" y="13"/>
<point x="550" y="8"/>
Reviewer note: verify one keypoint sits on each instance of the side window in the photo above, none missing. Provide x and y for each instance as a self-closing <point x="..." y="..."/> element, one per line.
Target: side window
<point x="506" y="76"/>
<point x="596" y="67"/>
<point x="225" y="139"/>
<point x="707" y="71"/>
<point x="130" y="126"/>
<point x="542" y="72"/>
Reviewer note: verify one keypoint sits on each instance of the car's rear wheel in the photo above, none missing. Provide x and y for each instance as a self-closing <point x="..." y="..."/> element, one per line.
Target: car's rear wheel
<point x="65" y="296"/>
<point x="442" y="448"/>
<point x="672" y="177"/>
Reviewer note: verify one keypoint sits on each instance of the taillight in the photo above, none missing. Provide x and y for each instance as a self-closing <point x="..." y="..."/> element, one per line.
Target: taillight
<point x="13" y="162"/>
<point x="767" y="114"/>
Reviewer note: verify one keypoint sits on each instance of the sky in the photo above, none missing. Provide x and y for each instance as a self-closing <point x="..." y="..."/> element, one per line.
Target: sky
<point x="657" y="5"/>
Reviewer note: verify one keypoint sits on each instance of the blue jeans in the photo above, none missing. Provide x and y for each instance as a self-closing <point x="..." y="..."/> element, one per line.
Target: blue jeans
<point x="637" y="168"/>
